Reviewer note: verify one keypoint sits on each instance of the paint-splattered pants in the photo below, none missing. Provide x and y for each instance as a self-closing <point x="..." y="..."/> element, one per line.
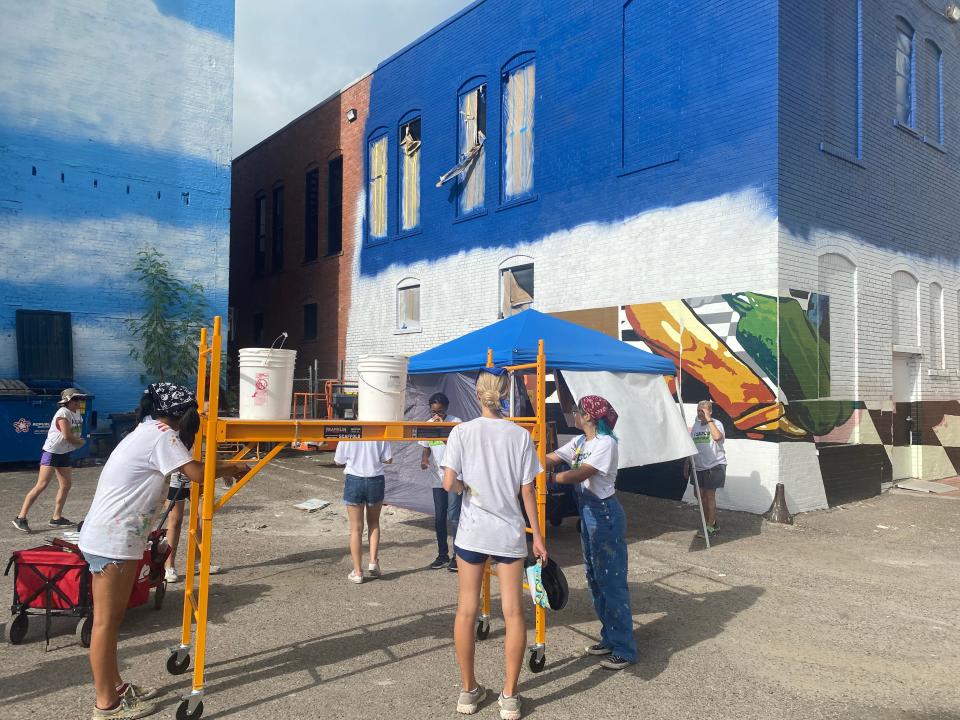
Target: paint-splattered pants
<point x="603" y="526"/>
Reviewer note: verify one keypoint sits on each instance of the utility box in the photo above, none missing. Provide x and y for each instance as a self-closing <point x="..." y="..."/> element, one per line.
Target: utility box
<point x="25" y="414"/>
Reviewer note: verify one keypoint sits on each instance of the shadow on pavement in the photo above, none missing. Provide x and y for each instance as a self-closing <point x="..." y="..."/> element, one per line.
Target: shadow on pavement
<point x="376" y="640"/>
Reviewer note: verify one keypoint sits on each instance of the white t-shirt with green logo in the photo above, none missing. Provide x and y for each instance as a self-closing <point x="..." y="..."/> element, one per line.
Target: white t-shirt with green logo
<point x="602" y="454"/>
<point x="55" y="442"/>
<point x="437" y="449"/>
<point x="710" y="452"/>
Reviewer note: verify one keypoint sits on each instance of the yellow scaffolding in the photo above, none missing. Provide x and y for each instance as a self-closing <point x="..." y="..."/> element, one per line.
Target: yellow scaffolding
<point x="216" y="431"/>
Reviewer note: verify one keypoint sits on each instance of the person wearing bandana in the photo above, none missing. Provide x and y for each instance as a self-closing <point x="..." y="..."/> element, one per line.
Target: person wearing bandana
<point x="129" y="495"/>
<point x="592" y="458"/>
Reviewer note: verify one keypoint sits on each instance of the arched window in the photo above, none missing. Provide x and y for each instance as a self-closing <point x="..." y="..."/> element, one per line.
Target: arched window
<point x="937" y="354"/>
<point x="516" y="285"/>
<point x="408" y="148"/>
<point x="377" y="184"/>
<point x="906" y="329"/>
<point x="836" y="315"/>
<point x="518" y="79"/>
<point x="906" y="74"/>
<point x="933" y="93"/>
<point x="408" y="304"/>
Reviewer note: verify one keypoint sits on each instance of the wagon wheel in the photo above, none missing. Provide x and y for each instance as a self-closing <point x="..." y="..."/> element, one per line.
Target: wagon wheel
<point x="83" y="631"/>
<point x="16" y="628"/>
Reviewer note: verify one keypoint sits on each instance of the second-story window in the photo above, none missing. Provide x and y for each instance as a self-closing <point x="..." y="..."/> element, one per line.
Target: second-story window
<point x="276" y="250"/>
<point x="335" y="205"/>
<point x="410" y="174"/>
<point x="311" y="215"/>
<point x="933" y="96"/>
<point x="260" y="237"/>
<point x="906" y="94"/>
<point x="377" y="187"/>
<point x="519" y="91"/>
<point x="310" y="321"/>
<point x="473" y="133"/>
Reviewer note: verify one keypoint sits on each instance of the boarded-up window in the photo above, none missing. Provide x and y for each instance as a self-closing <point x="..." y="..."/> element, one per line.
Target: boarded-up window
<point x="519" y="92"/>
<point x="932" y="71"/>
<point x="906" y="97"/>
<point x="516" y="289"/>
<point x="377" y="187"/>
<point x="651" y="83"/>
<point x="473" y="132"/>
<point x="258" y="329"/>
<point x="276" y="254"/>
<point x="905" y="323"/>
<point x="842" y="75"/>
<point x="310" y="321"/>
<point x="408" y="305"/>
<point x="410" y="174"/>
<point x="335" y="205"/>
<point x="260" y="235"/>
<point x="833" y="313"/>
<point x="937" y="351"/>
<point x="44" y="345"/>
<point x="311" y="215"/>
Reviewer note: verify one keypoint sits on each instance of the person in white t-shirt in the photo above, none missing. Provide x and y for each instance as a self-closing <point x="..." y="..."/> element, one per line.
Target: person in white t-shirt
<point x="63" y="436"/>
<point x="363" y="490"/>
<point x="114" y="533"/>
<point x="593" y="460"/>
<point x="492" y="461"/>
<point x="446" y="505"/>
<point x="710" y="462"/>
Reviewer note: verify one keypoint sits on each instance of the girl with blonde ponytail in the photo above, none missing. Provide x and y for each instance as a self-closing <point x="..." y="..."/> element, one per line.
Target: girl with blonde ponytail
<point x="492" y="461"/>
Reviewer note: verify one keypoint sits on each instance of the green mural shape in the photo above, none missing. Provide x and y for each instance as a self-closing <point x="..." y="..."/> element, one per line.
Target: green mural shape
<point x="757" y="329"/>
<point x="803" y="370"/>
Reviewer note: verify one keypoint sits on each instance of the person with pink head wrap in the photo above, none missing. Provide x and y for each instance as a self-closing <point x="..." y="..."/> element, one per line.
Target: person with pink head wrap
<point x="593" y="460"/>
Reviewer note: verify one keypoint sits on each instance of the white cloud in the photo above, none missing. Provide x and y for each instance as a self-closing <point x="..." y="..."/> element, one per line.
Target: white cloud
<point x="291" y="54"/>
<point x="116" y="72"/>
<point x="99" y="255"/>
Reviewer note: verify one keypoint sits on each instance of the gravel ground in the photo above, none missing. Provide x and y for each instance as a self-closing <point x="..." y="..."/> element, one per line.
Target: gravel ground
<point x="849" y="613"/>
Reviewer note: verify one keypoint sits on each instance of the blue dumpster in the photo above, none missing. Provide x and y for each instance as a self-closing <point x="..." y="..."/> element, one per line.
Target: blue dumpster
<point x="25" y="414"/>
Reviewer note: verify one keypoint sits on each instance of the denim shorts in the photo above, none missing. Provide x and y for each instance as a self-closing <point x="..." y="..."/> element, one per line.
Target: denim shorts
<point x="363" y="490"/>
<point x="98" y="563"/>
<point x="477" y="558"/>
<point x="57" y="460"/>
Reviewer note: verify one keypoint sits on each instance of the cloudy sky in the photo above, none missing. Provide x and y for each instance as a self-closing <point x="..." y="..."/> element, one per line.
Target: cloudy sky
<point x="291" y="54"/>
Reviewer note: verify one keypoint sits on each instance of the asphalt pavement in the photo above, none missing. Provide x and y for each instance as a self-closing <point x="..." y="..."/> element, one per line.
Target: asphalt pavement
<point x="850" y="613"/>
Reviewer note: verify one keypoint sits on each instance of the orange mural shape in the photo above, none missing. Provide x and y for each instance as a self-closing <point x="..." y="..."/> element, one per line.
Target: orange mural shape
<point x="666" y="327"/>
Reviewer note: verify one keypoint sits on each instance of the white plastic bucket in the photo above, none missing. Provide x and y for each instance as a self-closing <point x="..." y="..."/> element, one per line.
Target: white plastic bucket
<point x="382" y="387"/>
<point x="266" y="383"/>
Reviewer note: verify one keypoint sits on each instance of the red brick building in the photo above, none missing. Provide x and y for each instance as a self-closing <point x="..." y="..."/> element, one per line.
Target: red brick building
<point x="291" y="241"/>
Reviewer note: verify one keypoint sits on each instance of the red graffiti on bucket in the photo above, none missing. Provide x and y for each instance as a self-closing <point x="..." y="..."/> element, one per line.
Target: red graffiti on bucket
<point x="262" y="384"/>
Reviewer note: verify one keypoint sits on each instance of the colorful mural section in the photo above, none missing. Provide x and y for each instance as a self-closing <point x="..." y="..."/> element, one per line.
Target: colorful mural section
<point x="765" y="360"/>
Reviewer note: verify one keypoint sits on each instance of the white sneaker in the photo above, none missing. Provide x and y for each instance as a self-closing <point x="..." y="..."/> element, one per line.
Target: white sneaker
<point x="373" y="569"/>
<point x="214" y="569"/>
<point x="354" y="578"/>
<point x="170" y="575"/>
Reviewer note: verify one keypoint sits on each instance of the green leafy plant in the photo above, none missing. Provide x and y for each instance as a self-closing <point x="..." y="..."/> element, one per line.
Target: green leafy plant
<point x="165" y="336"/>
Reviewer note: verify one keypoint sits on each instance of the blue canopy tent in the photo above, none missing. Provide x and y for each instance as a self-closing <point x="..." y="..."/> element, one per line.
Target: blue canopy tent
<point x="650" y="427"/>
<point x="514" y="342"/>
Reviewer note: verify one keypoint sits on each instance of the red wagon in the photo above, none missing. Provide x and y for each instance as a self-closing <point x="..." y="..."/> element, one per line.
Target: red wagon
<point x="54" y="581"/>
